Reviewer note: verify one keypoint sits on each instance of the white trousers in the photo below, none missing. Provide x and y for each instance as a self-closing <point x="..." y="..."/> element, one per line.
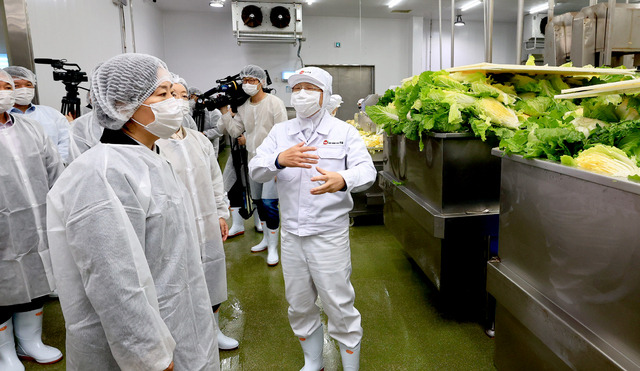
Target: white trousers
<point x="320" y="266"/>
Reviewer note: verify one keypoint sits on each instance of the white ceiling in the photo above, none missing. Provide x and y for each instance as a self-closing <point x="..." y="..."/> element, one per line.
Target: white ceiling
<point x="505" y="10"/>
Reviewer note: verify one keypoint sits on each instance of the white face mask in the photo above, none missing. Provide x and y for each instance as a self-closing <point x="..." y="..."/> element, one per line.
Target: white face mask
<point x="184" y="105"/>
<point x="168" y="118"/>
<point x="250" y="89"/>
<point x="306" y="102"/>
<point x="24" y="96"/>
<point x="7" y="100"/>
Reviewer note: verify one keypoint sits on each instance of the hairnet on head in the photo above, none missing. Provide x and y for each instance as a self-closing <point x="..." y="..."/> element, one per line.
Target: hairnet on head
<point x="4" y="76"/>
<point x="195" y="91"/>
<point x="256" y="72"/>
<point x="21" y="73"/>
<point x="122" y="84"/>
<point x="334" y="102"/>
<point x="316" y="76"/>
<point x="175" y="79"/>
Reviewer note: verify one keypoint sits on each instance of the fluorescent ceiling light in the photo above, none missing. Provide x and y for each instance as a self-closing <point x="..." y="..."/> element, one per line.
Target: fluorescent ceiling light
<point x="393" y="3"/>
<point x="309" y="2"/>
<point x="216" y="3"/>
<point x="470" y="5"/>
<point x="539" y="8"/>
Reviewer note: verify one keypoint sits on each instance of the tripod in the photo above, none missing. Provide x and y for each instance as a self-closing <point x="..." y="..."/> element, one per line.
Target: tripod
<point x="71" y="102"/>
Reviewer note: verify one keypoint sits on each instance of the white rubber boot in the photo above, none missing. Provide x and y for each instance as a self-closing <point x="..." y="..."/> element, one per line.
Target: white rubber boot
<point x="350" y="357"/>
<point x="28" y="330"/>
<point x="237" y="227"/>
<point x="224" y="342"/>
<point x="263" y="244"/>
<point x="8" y="358"/>
<point x="258" y="223"/>
<point x="273" y="239"/>
<point x="312" y="348"/>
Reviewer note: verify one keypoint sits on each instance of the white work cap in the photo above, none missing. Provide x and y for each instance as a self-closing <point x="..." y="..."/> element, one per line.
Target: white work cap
<point x="316" y="76"/>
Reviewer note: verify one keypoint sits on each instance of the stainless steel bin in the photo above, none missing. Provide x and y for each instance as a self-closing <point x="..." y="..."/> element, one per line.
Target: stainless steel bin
<point x="442" y="205"/>
<point x="568" y="284"/>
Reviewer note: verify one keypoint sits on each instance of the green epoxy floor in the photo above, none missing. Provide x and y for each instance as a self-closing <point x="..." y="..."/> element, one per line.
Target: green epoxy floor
<point x="402" y="328"/>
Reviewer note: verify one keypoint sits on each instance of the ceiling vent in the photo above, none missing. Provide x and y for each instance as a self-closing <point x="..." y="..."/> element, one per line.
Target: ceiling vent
<point x="266" y="22"/>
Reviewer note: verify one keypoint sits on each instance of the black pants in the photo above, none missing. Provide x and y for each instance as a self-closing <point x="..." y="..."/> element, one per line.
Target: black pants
<point x="236" y="194"/>
<point x="8" y="311"/>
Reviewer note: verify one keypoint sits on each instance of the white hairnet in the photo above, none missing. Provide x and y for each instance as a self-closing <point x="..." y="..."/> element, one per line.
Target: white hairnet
<point x="256" y="72"/>
<point x="122" y="84"/>
<point x="316" y="76"/>
<point x="175" y="79"/>
<point x="195" y="91"/>
<point x="334" y="102"/>
<point x="4" y="76"/>
<point x="21" y="73"/>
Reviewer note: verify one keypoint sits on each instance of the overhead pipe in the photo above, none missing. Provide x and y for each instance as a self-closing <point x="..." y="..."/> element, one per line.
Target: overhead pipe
<point x="133" y="33"/>
<point x="440" y="27"/>
<point x="490" y="46"/>
<point x="519" y="31"/>
<point x="453" y="9"/>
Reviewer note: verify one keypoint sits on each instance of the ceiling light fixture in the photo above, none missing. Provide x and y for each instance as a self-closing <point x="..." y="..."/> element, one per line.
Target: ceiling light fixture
<point x="470" y="5"/>
<point x="539" y="8"/>
<point x="459" y="21"/>
<point x="309" y="2"/>
<point x="393" y="3"/>
<point x="216" y="3"/>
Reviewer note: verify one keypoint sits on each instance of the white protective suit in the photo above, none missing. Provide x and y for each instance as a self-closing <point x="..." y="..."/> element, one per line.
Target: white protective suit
<point x="85" y="133"/>
<point x="194" y="161"/>
<point x="256" y="121"/>
<point x="29" y="167"/>
<point x="119" y="222"/>
<point x="316" y="258"/>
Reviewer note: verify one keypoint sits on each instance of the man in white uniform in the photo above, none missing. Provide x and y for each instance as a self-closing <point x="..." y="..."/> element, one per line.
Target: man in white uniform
<point x="255" y="118"/>
<point x="316" y="258"/>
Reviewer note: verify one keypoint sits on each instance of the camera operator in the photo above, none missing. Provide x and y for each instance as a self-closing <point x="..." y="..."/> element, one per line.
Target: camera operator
<point x="255" y="118"/>
<point x="211" y="119"/>
<point x="55" y="125"/>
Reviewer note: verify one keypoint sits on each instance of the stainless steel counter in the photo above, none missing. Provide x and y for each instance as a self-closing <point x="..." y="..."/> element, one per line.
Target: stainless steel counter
<point x="568" y="284"/>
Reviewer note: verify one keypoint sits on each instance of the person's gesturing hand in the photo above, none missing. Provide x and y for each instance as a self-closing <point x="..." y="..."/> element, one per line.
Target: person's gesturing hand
<point x="297" y="156"/>
<point x="333" y="182"/>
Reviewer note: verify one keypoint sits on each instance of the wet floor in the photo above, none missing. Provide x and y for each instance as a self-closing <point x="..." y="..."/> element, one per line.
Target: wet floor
<point x="403" y="330"/>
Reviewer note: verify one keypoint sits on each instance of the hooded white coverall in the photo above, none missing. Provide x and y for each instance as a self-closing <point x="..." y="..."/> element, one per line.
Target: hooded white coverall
<point x="316" y="258"/>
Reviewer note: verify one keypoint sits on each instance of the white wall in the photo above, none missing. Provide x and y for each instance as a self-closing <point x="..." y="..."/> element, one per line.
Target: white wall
<point x="86" y="32"/>
<point x="469" y="44"/>
<point x="201" y="48"/>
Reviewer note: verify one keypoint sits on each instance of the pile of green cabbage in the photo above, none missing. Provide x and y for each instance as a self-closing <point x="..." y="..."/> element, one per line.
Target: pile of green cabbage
<point x="517" y="112"/>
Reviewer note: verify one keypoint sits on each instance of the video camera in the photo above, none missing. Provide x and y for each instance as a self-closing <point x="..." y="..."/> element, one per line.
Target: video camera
<point x="229" y="93"/>
<point x="66" y="75"/>
<point x="71" y="78"/>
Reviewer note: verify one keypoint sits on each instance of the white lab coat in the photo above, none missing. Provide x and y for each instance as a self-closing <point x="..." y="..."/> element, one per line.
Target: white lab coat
<point x="340" y="148"/>
<point x="29" y="165"/>
<point x="194" y="161"/>
<point x="127" y="265"/>
<point x="316" y="258"/>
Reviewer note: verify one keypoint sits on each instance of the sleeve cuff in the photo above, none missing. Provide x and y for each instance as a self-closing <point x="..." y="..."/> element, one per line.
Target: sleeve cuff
<point x="278" y="166"/>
